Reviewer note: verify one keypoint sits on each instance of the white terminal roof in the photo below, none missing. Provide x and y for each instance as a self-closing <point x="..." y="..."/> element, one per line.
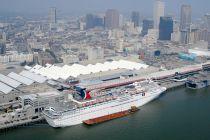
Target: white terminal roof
<point x="55" y="72"/>
<point x="35" y="68"/>
<point x="35" y="77"/>
<point x="27" y="67"/>
<point x="20" y="78"/>
<point x="9" y="81"/>
<point x="5" y="88"/>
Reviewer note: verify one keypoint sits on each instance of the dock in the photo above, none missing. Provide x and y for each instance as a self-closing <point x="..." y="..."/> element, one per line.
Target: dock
<point x="18" y="123"/>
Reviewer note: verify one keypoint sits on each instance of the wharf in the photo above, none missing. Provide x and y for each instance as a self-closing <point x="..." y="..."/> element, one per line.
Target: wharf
<point x="19" y="123"/>
<point x="157" y="76"/>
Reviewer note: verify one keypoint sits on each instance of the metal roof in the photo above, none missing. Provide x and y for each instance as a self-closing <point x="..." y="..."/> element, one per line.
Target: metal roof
<point x="5" y="88"/>
<point x="27" y="67"/>
<point x="38" y="78"/>
<point x="35" y="68"/>
<point x="75" y="70"/>
<point x="20" y="78"/>
<point x="9" y="81"/>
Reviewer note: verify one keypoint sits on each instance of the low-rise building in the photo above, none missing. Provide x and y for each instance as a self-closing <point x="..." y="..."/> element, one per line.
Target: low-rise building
<point x="16" y="58"/>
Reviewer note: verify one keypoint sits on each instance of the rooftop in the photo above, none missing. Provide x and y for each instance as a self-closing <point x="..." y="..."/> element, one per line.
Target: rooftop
<point x="75" y="70"/>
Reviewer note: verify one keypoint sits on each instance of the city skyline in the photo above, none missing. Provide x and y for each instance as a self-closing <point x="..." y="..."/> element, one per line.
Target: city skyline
<point x="199" y="8"/>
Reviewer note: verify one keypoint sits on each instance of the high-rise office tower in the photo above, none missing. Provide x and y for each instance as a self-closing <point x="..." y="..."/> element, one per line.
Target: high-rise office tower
<point x="193" y="36"/>
<point x="2" y="48"/>
<point x="4" y="37"/>
<point x="89" y="20"/>
<point x="147" y="24"/>
<point x="165" y="28"/>
<point x="186" y="15"/>
<point x="52" y="15"/>
<point x="135" y="18"/>
<point x="184" y="38"/>
<point x="207" y="21"/>
<point x="204" y="35"/>
<point x="93" y="21"/>
<point x="158" y="12"/>
<point x="112" y="19"/>
<point x="121" y="20"/>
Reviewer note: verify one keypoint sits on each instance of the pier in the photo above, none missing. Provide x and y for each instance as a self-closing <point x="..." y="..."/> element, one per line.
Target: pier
<point x="15" y="124"/>
<point x="161" y="76"/>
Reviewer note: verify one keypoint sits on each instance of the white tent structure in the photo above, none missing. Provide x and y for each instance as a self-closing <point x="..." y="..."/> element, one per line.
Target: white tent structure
<point x="55" y="72"/>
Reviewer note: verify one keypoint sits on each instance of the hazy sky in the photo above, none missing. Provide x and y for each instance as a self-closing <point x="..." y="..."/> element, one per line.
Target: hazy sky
<point x="80" y="6"/>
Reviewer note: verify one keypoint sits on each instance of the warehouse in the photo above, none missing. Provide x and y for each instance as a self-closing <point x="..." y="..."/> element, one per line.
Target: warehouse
<point x="75" y="70"/>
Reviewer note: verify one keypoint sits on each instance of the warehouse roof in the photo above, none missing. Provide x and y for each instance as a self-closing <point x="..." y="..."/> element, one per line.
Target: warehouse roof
<point x="35" y="77"/>
<point x="4" y="88"/>
<point x="9" y="81"/>
<point x="55" y="72"/>
<point x="20" y="78"/>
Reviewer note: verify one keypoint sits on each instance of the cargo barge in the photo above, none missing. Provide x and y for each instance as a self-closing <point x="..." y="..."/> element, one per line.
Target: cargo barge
<point x="111" y="116"/>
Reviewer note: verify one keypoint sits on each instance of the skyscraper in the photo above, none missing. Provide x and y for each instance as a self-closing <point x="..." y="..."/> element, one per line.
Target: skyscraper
<point x="52" y="15"/>
<point x="135" y="18"/>
<point x="147" y="24"/>
<point x="4" y="37"/>
<point x="2" y="48"/>
<point x="89" y="21"/>
<point x="165" y="28"/>
<point x="158" y="12"/>
<point x="184" y="39"/>
<point x="112" y="19"/>
<point x="207" y="21"/>
<point x="93" y="21"/>
<point x="186" y="15"/>
<point x="204" y="34"/>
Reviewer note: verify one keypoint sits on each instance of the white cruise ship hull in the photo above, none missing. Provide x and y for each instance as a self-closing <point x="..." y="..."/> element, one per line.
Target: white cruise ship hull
<point x="121" y="104"/>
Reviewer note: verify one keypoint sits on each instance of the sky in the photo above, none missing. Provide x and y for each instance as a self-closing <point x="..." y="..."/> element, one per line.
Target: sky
<point x="145" y="7"/>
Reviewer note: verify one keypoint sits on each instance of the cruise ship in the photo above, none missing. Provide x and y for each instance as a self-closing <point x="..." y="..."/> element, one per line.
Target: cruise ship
<point x="88" y="105"/>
